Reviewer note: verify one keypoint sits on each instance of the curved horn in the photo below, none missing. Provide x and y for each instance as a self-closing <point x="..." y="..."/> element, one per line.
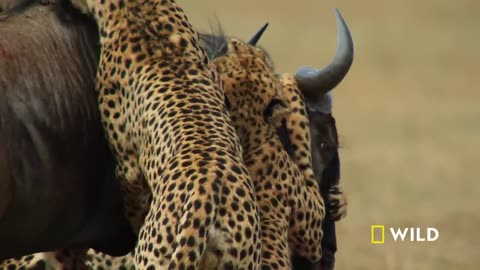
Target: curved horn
<point x="314" y="82"/>
<point x="253" y="41"/>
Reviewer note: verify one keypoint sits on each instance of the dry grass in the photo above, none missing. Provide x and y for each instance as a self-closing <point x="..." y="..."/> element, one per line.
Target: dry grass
<point x="408" y="116"/>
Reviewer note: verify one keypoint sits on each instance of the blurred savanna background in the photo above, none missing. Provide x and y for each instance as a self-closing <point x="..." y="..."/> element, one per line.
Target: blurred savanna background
<point x="408" y="115"/>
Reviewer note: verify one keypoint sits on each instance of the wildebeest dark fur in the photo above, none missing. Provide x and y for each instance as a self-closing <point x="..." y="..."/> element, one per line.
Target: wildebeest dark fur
<point x="56" y="174"/>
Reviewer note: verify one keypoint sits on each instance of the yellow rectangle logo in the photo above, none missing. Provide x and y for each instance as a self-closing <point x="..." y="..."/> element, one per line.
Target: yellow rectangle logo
<point x="382" y="228"/>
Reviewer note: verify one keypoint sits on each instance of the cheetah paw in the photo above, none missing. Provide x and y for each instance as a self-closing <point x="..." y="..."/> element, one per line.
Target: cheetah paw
<point x="337" y="203"/>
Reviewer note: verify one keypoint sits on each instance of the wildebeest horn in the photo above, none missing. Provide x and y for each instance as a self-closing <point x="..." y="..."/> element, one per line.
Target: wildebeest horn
<point x="315" y="83"/>
<point x="253" y="41"/>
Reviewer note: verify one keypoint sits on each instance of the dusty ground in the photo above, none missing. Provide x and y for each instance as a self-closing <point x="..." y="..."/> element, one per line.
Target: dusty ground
<point x="408" y="115"/>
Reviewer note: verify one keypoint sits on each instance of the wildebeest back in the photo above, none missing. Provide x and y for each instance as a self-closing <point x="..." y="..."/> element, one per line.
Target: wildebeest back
<point x="58" y="167"/>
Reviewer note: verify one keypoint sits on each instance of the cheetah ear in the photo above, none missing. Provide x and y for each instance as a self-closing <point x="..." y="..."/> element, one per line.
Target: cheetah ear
<point x="276" y="110"/>
<point x="81" y="5"/>
<point x="253" y="41"/>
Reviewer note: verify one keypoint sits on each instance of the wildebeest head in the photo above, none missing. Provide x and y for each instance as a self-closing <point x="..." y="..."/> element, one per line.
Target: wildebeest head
<point x="316" y="86"/>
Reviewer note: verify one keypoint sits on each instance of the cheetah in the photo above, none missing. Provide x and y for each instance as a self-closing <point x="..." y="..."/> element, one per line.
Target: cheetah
<point x="178" y="157"/>
<point x="291" y="207"/>
<point x="297" y="123"/>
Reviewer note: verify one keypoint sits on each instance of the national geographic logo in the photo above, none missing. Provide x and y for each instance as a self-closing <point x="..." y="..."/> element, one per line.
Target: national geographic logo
<point x="403" y="234"/>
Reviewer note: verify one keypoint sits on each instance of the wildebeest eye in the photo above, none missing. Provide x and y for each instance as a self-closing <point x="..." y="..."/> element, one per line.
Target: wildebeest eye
<point x="275" y="104"/>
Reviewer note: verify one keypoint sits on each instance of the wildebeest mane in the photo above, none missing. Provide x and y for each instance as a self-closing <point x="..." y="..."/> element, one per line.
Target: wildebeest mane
<point x="214" y="42"/>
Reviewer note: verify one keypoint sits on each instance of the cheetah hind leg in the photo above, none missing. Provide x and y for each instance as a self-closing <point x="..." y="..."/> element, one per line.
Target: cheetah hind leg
<point x="217" y="255"/>
<point x="98" y="260"/>
<point x="65" y="259"/>
<point x="337" y="203"/>
<point x="37" y="261"/>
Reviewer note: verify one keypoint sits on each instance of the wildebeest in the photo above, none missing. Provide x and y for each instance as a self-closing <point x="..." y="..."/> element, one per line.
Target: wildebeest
<point x="73" y="44"/>
<point x="56" y="173"/>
